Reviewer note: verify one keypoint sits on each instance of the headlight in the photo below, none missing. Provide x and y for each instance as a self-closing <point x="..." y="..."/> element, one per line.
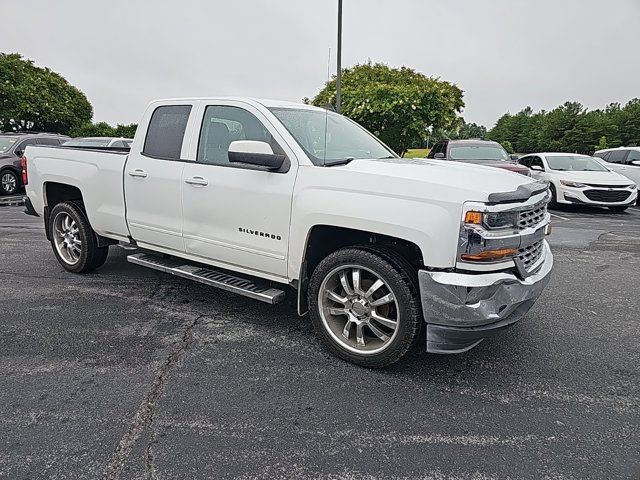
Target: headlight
<point x="567" y="183"/>
<point x="493" y="220"/>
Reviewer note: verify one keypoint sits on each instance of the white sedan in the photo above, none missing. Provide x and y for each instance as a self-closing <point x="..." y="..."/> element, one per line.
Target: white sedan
<point x="582" y="180"/>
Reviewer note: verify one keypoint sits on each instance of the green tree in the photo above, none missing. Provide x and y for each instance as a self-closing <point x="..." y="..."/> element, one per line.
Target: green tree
<point x="397" y="104"/>
<point x="103" y="129"/>
<point x="602" y="143"/>
<point x="34" y="98"/>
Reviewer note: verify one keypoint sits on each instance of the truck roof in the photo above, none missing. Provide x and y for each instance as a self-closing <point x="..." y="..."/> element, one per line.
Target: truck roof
<point x="269" y="103"/>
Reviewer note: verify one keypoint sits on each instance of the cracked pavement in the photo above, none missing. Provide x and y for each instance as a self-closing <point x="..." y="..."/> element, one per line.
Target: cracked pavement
<point x="132" y="374"/>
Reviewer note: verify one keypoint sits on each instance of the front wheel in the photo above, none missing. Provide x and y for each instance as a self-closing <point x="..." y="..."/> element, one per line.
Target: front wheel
<point x="74" y="242"/>
<point x="9" y="182"/>
<point x="553" y="202"/>
<point x="364" y="306"/>
<point x="618" y="209"/>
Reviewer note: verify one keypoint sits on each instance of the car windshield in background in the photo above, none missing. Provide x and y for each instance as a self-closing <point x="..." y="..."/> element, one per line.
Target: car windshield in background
<point x="329" y="138"/>
<point x="477" y="152"/>
<point x="7" y="143"/>
<point x="88" y="142"/>
<point x="575" y="163"/>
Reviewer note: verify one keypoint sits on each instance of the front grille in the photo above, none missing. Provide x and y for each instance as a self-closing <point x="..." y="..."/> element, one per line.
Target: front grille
<point x="531" y="254"/>
<point x="596" y="185"/>
<point x="531" y="218"/>
<point x="607" y="195"/>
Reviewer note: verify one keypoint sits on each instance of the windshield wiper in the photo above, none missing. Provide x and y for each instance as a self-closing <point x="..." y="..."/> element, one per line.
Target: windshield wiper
<point x="343" y="161"/>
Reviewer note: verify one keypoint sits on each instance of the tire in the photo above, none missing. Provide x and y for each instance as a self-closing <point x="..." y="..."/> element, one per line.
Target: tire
<point x="553" y="202"/>
<point x="73" y="241"/>
<point x="365" y="342"/>
<point x="618" y="209"/>
<point x="9" y="182"/>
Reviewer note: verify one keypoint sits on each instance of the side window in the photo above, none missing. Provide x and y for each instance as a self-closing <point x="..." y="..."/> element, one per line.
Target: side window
<point x="118" y="144"/>
<point x="166" y="131"/>
<point x="25" y="144"/>
<point x="437" y="148"/>
<point x="526" y="161"/>
<point x="222" y="125"/>
<point x="634" y="156"/>
<point x="537" y="162"/>
<point x="603" y="155"/>
<point x="617" y="156"/>
<point x="48" y="141"/>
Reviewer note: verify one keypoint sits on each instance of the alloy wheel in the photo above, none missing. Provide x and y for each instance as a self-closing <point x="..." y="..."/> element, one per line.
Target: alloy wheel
<point x="358" y="309"/>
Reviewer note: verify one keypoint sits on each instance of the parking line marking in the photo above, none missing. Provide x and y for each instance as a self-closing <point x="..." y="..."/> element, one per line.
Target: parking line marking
<point x="554" y="215"/>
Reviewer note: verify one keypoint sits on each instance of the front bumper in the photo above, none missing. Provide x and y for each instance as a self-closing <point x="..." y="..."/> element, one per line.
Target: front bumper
<point x="463" y="309"/>
<point x="598" y="198"/>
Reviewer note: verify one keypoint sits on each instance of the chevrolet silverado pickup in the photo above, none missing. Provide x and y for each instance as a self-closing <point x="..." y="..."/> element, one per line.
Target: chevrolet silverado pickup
<point x="255" y="197"/>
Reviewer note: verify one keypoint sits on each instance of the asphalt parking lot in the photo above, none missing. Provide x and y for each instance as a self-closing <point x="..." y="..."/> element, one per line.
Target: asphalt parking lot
<point x="129" y="373"/>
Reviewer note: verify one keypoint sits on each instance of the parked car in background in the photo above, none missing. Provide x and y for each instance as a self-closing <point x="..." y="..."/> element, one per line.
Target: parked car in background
<point x="478" y="152"/>
<point x="89" y="142"/>
<point x="12" y="146"/>
<point x="251" y="196"/>
<point x="581" y="179"/>
<point x="624" y="160"/>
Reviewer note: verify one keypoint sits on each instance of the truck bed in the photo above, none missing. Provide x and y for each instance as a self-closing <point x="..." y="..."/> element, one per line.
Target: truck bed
<point x="97" y="172"/>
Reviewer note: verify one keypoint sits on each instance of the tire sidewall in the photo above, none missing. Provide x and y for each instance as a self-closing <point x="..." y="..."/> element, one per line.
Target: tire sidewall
<point x="406" y="301"/>
<point x="85" y="232"/>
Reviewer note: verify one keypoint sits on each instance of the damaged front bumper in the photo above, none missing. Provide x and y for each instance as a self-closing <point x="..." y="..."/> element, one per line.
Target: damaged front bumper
<point x="462" y="309"/>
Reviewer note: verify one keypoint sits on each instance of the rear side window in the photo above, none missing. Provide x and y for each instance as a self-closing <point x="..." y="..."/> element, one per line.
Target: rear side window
<point x="602" y="155"/>
<point x="617" y="156"/>
<point x="48" y="141"/>
<point x="166" y="131"/>
<point x="634" y="155"/>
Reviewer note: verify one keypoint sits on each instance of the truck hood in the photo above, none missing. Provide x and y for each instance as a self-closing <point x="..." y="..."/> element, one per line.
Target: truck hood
<point x="440" y="177"/>
<point x="512" y="167"/>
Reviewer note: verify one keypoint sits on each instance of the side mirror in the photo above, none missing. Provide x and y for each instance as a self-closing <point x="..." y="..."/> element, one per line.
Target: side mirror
<point x="514" y="157"/>
<point x="19" y="153"/>
<point x="635" y="162"/>
<point x="537" y="168"/>
<point x="439" y="155"/>
<point x="253" y="152"/>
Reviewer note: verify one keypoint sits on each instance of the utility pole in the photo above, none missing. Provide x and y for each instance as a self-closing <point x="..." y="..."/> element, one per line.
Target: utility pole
<point x="339" y="72"/>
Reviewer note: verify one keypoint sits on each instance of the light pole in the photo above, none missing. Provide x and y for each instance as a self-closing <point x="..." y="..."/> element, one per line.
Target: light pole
<point x="339" y="68"/>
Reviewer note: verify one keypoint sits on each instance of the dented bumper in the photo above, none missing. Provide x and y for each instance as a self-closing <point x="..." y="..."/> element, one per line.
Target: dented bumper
<point x="462" y="309"/>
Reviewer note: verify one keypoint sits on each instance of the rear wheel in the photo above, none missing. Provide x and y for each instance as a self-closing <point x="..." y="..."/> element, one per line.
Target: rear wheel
<point x="9" y="182"/>
<point x="618" y="209"/>
<point x="74" y="242"/>
<point x="365" y="306"/>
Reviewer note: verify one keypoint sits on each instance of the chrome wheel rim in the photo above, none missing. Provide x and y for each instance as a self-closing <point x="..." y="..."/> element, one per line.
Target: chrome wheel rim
<point x="8" y="182"/>
<point x="358" y="309"/>
<point x="66" y="237"/>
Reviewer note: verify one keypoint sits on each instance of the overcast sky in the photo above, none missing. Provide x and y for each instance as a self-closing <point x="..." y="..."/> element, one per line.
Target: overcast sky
<point x="504" y="54"/>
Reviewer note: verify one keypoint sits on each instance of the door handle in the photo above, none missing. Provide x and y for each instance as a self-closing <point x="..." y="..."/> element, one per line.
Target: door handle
<point x="138" y="172"/>
<point x="203" y="182"/>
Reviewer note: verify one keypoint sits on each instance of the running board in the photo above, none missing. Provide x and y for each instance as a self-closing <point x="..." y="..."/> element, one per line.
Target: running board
<point x="208" y="276"/>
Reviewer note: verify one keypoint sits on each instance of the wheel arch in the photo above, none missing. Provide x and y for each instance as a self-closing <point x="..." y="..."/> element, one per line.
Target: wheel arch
<point x="322" y="240"/>
<point x="55" y="193"/>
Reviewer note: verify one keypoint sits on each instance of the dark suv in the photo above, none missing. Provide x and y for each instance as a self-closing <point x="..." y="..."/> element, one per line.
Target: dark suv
<point x="12" y="146"/>
<point x="479" y="152"/>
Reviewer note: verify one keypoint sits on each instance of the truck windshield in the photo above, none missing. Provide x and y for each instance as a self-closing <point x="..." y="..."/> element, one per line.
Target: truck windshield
<point x="329" y="138"/>
<point x="478" y="152"/>
<point x="6" y="143"/>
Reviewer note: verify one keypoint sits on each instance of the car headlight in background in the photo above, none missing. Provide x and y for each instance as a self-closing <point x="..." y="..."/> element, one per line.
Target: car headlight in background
<point x="493" y="220"/>
<point x="567" y="183"/>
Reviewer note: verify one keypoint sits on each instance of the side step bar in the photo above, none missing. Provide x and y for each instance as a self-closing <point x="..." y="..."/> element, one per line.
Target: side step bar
<point x="208" y="276"/>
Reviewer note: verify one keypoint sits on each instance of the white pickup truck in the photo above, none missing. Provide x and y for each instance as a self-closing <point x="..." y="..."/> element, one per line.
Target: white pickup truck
<point x="252" y="196"/>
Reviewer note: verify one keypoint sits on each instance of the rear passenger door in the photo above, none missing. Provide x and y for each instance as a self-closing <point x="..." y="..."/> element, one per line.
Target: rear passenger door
<point x="630" y="169"/>
<point x="153" y="180"/>
<point x="237" y="215"/>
